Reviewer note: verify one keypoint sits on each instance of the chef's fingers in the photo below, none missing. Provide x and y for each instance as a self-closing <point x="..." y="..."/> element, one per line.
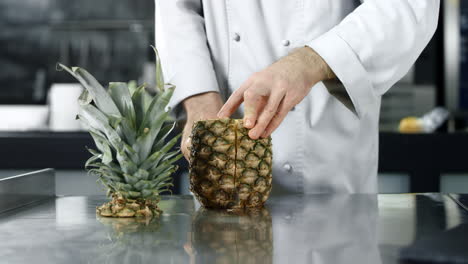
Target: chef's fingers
<point x="234" y="101"/>
<point x="185" y="148"/>
<point x="253" y="105"/>
<point x="283" y="111"/>
<point x="267" y="114"/>
<point x="231" y="105"/>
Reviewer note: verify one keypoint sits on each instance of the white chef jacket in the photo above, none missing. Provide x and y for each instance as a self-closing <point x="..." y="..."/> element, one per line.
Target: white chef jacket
<point x="329" y="142"/>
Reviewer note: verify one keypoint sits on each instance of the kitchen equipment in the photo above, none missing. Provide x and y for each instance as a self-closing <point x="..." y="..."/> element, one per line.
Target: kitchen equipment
<point x="28" y="188"/>
<point x="23" y="117"/>
<point x="63" y="102"/>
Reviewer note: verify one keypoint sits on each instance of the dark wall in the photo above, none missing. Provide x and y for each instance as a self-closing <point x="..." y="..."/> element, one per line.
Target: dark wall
<point x="109" y="38"/>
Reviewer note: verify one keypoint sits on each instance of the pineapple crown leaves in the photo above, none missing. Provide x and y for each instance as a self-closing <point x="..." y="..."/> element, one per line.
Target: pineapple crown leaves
<point x="130" y="128"/>
<point x="159" y="73"/>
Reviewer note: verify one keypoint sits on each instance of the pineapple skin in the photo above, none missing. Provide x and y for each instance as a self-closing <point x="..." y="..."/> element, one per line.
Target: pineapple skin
<point x="228" y="169"/>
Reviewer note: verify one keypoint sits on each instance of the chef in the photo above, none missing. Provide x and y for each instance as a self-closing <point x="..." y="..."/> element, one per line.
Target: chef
<point x="310" y="73"/>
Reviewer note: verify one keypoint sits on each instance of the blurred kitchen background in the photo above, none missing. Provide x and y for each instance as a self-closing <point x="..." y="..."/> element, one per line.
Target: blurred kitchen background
<point x="112" y="40"/>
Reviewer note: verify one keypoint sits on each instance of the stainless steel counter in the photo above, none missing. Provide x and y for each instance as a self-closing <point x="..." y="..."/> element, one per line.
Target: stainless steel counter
<point x="292" y="229"/>
<point x="19" y="190"/>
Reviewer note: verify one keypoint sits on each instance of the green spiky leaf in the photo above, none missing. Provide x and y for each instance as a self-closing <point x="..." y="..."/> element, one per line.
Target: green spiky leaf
<point x="85" y="98"/>
<point x="163" y="134"/>
<point x="154" y="159"/>
<point x="130" y="126"/>
<point x="157" y="106"/>
<point x="102" y="145"/>
<point x="144" y="143"/>
<point x="98" y="93"/>
<point x="120" y="94"/>
<point x="141" y="102"/>
<point x="132" y="86"/>
<point x="159" y="72"/>
<point x="97" y="120"/>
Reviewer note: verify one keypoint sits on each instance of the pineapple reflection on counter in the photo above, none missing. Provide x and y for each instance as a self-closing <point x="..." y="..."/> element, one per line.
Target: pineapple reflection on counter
<point x="128" y="240"/>
<point x="133" y="160"/>
<point x="237" y="236"/>
<point x="228" y="169"/>
<point x="141" y="240"/>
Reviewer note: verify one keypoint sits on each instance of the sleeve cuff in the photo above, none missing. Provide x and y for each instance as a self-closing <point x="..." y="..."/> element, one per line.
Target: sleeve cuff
<point x="348" y="69"/>
<point x="190" y="80"/>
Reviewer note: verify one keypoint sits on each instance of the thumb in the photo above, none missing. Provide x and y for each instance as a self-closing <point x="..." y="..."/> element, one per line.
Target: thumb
<point x="187" y="147"/>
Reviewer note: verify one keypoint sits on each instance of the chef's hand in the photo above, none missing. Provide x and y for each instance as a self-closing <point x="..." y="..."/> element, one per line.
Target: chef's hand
<point x="270" y="94"/>
<point x="198" y="107"/>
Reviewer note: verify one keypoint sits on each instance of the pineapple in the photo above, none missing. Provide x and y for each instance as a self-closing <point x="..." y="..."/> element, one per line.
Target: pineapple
<point x="133" y="160"/>
<point x="228" y="169"/>
<point x="238" y="236"/>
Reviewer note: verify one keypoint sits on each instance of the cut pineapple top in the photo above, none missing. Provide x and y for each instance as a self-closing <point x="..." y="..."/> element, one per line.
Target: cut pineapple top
<point x="129" y="126"/>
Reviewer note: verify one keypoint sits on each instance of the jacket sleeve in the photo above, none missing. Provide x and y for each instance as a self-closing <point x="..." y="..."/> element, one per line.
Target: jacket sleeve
<point x="182" y="44"/>
<point x="375" y="46"/>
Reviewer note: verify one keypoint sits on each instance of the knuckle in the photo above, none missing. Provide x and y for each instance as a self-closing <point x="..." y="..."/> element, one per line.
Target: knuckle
<point x="240" y="91"/>
<point x="236" y="93"/>
<point x="270" y="111"/>
<point x="279" y="116"/>
<point x="289" y="103"/>
<point x="281" y="84"/>
<point x="260" y="78"/>
<point x="249" y="94"/>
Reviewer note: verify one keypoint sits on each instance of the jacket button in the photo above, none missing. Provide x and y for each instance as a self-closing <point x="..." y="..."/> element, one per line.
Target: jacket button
<point x="287" y="167"/>
<point x="286" y="42"/>
<point x="236" y="37"/>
